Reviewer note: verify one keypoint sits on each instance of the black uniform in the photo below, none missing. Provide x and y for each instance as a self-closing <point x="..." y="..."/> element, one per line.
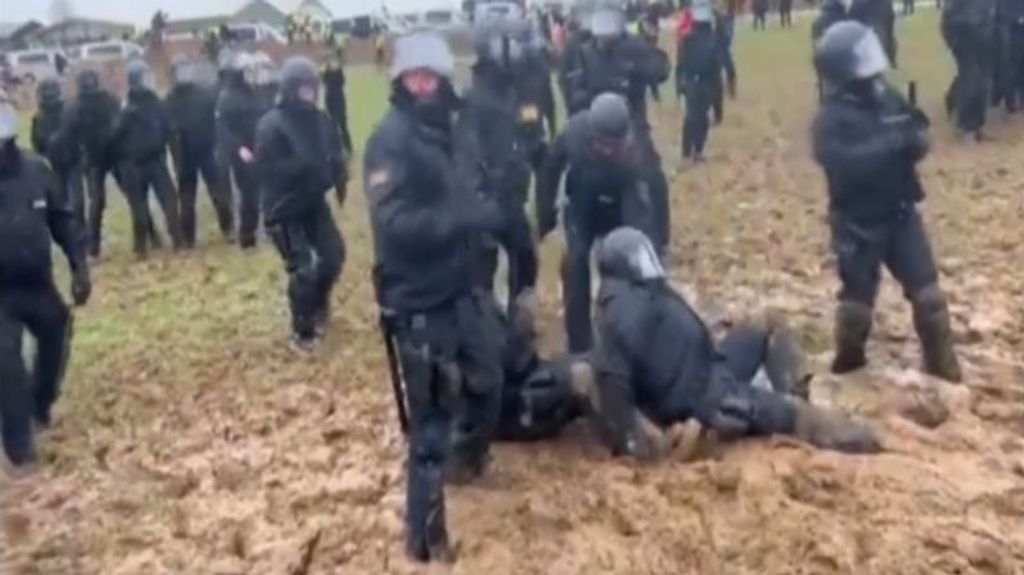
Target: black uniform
<point x="725" y="30"/>
<point x="298" y="155"/>
<point x="880" y="16"/>
<point x="603" y="193"/>
<point x="89" y="124"/>
<point x="657" y="361"/>
<point x="33" y="209"/>
<point x="786" y="13"/>
<point x="699" y="77"/>
<point x="239" y="108"/>
<point x="334" y="98"/>
<point x="968" y="28"/>
<point x="1008" y="72"/>
<point x="570" y="70"/>
<point x="141" y="136"/>
<point x="64" y="155"/>
<point x="191" y="109"/>
<point x="628" y="66"/>
<point x="490" y="125"/>
<point x="760" y="9"/>
<point x="832" y="11"/>
<point x="869" y="144"/>
<point x="427" y="222"/>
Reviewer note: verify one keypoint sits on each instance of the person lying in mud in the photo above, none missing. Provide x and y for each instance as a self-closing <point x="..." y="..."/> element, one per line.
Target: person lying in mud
<point x="656" y="363"/>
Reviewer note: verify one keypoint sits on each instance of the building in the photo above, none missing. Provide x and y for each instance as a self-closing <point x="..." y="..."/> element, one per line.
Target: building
<point x="80" y="30"/>
<point x="253" y="12"/>
<point x="314" y="16"/>
<point x="18" y="36"/>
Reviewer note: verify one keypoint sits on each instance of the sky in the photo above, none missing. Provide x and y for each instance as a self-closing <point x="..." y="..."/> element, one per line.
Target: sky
<point x="139" y="12"/>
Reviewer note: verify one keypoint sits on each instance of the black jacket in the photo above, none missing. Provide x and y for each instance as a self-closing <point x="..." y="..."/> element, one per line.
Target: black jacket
<point x="239" y="108"/>
<point x="422" y="202"/>
<point x="699" y="64"/>
<point x="192" y="111"/>
<point x="334" y="87"/>
<point x="298" y="159"/>
<point x="603" y="193"/>
<point x="143" y="130"/>
<point x="629" y="67"/>
<point x="89" y="123"/>
<point x="869" y="150"/>
<point x="47" y="139"/>
<point x="33" y="209"/>
<point x="881" y="16"/>
<point x="831" y="12"/>
<point x="653" y="352"/>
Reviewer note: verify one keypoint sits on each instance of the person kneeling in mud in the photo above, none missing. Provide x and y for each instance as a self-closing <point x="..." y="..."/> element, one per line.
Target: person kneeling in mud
<point x="656" y="364"/>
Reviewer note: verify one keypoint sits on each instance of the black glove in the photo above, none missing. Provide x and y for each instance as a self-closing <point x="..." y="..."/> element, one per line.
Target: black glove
<point x="81" y="287"/>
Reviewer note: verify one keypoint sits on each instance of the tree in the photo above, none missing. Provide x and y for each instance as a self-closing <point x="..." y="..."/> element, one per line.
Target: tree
<point x="61" y="10"/>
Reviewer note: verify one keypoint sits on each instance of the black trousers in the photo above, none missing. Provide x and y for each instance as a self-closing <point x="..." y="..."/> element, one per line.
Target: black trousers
<point x="193" y="165"/>
<point x="451" y="365"/>
<point x="901" y="245"/>
<point x="337" y="109"/>
<point x="967" y="97"/>
<point x="96" y="189"/>
<point x="786" y="13"/>
<point x="39" y="309"/>
<point x="908" y="7"/>
<point x="72" y="181"/>
<point x="314" y="253"/>
<point x="138" y="179"/>
<point x="760" y="18"/>
<point x="248" y="202"/>
<point x="699" y="101"/>
<point x="517" y="241"/>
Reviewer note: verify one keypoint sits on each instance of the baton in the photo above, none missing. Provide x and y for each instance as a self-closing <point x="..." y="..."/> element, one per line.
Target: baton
<point x="912" y="93"/>
<point x="395" y="372"/>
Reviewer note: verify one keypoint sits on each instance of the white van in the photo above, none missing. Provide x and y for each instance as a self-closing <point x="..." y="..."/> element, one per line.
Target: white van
<point x="109" y="52"/>
<point x="35" y="65"/>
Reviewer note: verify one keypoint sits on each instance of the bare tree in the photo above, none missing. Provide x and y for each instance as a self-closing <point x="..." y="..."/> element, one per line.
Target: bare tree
<point x="61" y="10"/>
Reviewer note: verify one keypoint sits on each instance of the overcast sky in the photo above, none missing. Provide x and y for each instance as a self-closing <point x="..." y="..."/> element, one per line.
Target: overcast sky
<point x="140" y="11"/>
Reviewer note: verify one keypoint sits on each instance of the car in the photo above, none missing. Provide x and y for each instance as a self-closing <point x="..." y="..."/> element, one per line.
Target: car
<point x="37" y="65"/>
<point x="254" y="33"/>
<point x="109" y="52"/>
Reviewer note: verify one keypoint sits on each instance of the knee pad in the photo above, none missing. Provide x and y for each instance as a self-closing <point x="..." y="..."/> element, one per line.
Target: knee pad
<point x="929" y="300"/>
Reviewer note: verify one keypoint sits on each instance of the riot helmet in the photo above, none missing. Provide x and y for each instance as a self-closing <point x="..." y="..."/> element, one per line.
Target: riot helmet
<point x="627" y="254"/>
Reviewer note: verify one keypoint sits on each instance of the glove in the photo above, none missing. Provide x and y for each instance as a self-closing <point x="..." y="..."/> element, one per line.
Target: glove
<point x="81" y="287"/>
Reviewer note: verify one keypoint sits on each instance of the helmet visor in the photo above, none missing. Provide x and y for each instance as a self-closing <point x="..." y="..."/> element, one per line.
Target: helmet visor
<point x="869" y="57"/>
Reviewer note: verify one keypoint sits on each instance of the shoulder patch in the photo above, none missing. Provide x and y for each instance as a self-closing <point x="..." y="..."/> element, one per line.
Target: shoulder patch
<point x="39" y="205"/>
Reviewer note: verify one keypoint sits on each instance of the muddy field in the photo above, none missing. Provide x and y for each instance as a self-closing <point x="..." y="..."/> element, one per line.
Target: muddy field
<point x="190" y="440"/>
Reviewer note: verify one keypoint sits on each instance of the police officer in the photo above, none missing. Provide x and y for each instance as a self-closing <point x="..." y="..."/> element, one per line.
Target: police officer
<point x="760" y="9"/>
<point x="490" y="123"/>
<point x="427" y="217"/>
<point x="334" y="96"/>
<point x="657" y="364"/>
<point x="141" y="136"/>
<point x="879" y="15"/>
<point x="868" y="139"/>
<point x="65" y="155"/>
<point x="33" y="209"/>
<point x="606" y="187"/>
<point x="1009" y="49"/>
<point x="89" y="125"/>
<point x="831" y="11"/>
<point x="191" y="109"/>
<point x="298" y="157"/>
<point x="626" y="65"/>
<point x="570" y="69"/>
<point x="699" y="78"/>
<point x="239" y="108"/>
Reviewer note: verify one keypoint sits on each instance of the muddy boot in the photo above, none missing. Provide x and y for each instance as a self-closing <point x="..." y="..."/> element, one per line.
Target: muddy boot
<point x="834" y="431"/>
<point x="853" y="324"/>
<point x="426" y="532"/>
<point x="931" y="320"/>
<point x="786" y="364"/>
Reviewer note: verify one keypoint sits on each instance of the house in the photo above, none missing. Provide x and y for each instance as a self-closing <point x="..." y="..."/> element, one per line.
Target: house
<point x="253" y="12"/>
<point x="18" y="36"/>
<point x="314" y="16"/>
<point x="80" y="30"/>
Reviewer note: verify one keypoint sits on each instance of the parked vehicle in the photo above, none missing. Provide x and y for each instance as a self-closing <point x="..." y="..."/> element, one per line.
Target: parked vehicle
<point x="37" y="65"/>
<point x="109" y="52"/>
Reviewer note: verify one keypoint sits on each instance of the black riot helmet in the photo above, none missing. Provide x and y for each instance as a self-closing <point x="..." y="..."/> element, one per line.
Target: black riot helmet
<point x="88" y="82"/>
<point x="627" y="254"/>
<point x="300" y="83"/>
<point x="501" y="41"/>
<point x="849" y="51"/>
<point x="609" y="117"/>
<point x="48" y="93"/>
<point x="140" y="75"/>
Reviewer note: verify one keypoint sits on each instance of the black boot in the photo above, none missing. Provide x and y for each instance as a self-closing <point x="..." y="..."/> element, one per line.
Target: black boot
<point x="931" y="320"/>
<point x="853" y="324"/>
<point x="786" y="364"/>
<point x="426" y="532"/>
